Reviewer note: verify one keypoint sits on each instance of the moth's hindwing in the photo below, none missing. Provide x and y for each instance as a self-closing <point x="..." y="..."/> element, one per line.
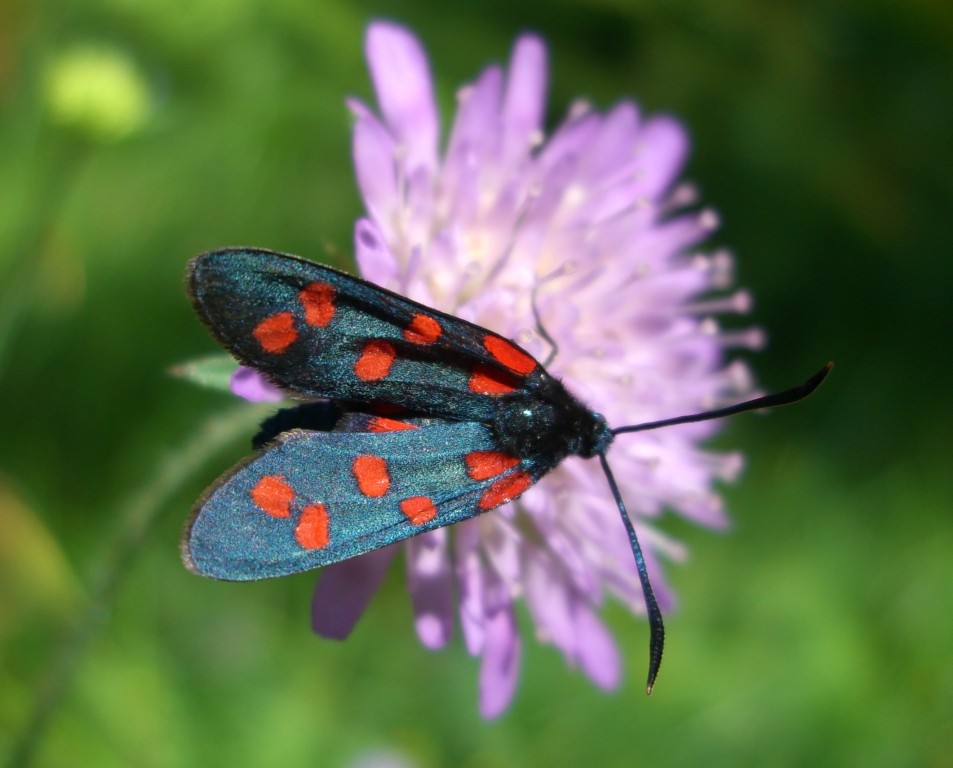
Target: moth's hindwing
<point x="322" y="333"/>
<point x="314" y="498"/>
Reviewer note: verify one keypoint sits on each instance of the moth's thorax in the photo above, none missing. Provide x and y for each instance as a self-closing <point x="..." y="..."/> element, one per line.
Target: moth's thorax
<point x="550" y="423"/>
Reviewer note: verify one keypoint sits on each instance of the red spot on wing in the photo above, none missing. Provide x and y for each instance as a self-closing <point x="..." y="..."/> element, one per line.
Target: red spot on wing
<point x="371" y="474"/>
<point x="276" y="333"/>
<point x="312" y="530"/>
<point x="482" y="465"/>
<point x="273" y="495"/>
<point x="504" y="490"/>
<point x="423" y="329"/>
<point x="418" y="509"/>
<point x="489" y="381"/>
<point x="382" y="424"/>
<point x="509" y="355"/>
<point x="375" y="361"/>
<point x="318" y="302"/>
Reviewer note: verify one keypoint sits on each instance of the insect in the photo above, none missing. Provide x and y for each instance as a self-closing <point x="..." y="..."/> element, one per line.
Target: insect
<point x="416" y="420"/>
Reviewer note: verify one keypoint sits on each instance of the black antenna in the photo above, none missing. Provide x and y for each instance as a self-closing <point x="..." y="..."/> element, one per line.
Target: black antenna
<point x="656" y="625"/>
<point x="768" y="401"/>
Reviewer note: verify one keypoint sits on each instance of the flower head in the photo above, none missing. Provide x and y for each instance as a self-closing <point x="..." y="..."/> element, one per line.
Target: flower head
<point x="588" y="229"/>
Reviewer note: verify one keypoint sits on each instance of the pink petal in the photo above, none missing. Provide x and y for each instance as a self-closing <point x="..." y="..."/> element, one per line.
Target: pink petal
<point x="473" y="129"/>
<point x="249" y="384"/>
<point x="568" y="143"/>
<point x="663" y="146"/>
<point x="596" y="651"/>
<point x="667" y="239"/>
<point x="358" y="108"/>
<point x="375" y="261"/>
<point x="418" y="204"/>
<point x="547" y="596"/>
<point x="470" y="585"/>
<point x="525" y="99"/>
<point x="499" y="670"/>
<point x="344" y="590"/>
<point x="612" y="144"/>
<point x="567" y="550"/>
<point x="374" y="164"/>
<point x="430" y="586"/>
<point x="478" y="111"/>
<point x="501" y="547"/>
<point x="404" y="90"/>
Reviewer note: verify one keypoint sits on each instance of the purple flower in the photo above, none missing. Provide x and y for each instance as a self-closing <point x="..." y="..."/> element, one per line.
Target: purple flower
<point x="590" y="225"/>
<point x="252" y="386"/>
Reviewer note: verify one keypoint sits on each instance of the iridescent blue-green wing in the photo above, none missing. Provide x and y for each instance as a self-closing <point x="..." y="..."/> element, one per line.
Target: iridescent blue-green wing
<point x="318" y="332"/>
<point x="312" y="498"/>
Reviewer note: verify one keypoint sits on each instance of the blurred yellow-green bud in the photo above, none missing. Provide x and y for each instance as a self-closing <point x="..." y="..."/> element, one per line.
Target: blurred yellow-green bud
<point x="98" y="90"/>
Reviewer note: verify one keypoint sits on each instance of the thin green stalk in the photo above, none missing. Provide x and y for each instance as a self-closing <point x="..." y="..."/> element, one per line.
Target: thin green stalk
<point x="142" y="510"/>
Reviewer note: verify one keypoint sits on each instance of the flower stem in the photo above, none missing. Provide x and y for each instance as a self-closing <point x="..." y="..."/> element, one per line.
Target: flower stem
<point x="141" y="513"/>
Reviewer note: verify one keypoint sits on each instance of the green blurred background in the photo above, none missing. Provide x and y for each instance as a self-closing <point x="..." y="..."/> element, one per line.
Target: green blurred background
<point x="818" y="632"/>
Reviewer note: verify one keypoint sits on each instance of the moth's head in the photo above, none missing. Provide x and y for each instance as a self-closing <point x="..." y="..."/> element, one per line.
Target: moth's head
<point x="593" y="437"/>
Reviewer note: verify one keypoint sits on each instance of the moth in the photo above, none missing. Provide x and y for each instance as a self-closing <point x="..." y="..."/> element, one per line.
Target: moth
<point x="411" y="420"/>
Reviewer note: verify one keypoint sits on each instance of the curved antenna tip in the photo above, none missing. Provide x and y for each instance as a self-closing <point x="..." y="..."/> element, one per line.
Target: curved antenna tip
<point x="807" y="388"/>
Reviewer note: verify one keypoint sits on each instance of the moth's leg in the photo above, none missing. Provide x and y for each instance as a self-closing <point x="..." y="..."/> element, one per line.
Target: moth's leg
<point x="543" y="333"/>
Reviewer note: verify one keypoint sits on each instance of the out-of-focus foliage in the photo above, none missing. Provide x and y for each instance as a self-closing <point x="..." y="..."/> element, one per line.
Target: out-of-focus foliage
<point x="134" y="135"/>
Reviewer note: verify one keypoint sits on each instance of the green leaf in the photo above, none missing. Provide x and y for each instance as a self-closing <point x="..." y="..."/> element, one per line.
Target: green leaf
<point x="211" y="371"/>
